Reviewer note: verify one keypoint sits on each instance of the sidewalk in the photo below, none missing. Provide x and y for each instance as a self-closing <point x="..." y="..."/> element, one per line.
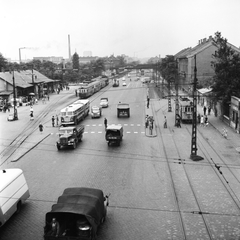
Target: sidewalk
<point x="10" y="151"/>
<point x="216" y="123"/>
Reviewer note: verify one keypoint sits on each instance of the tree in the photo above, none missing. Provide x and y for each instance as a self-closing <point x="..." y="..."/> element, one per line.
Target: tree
<point x="98" y="67"/>
<point x="168" y="68"/>
<point x="75" y="61"/>
<point x="3" y="62"/>
<point x="226" y="82"/>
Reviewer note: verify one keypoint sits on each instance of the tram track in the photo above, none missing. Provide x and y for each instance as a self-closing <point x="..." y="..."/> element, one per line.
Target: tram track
<point x="202" y="211"/>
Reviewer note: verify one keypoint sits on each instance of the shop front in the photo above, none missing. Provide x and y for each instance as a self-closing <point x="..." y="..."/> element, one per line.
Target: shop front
<point x="235" y="113"/>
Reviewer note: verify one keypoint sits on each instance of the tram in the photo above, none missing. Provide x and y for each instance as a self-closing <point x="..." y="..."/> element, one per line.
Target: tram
<point x="186" y="109"/>
<point x="88" y="88"/>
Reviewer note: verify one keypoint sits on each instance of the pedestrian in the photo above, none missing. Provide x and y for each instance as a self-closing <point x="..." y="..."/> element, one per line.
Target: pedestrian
<point x="165" y="122"/>
<point x="31" y="116"/>
<point x="31" y="110"/>
<point x="209" y="110"/>
<point x="202" y="121"/>
<point x="57" y="119"/>
<point x="48" y="97"/>
<point x="76" y="92"/>
<point x="151" y="122"/>
<point x="199" y="118"/>
<point x="105" y="123"/>
<point x="204" y="110"/>
<point x="146" y="121"/>
<point x="53" y="121"/>
<point x="206" y="121"/>
<point x="148" y="99"/>
<point x="40" y="127"/>
<point x="178" y="121"/>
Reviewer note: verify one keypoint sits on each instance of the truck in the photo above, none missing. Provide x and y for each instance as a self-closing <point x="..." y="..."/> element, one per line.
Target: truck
<point x="69" y="136"/>
<point x="114" y="134"/>
<point x="77" y="215"/>
<point x="123" y="110"/>
<point x="13" y="192"/>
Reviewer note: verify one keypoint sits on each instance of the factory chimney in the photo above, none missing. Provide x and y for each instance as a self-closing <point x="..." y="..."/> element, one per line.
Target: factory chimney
<point x="69" y="48"/>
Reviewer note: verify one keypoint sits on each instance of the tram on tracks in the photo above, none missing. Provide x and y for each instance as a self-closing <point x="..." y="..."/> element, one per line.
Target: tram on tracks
<point x="186" y="109"/>
<point x="88" y="88"/>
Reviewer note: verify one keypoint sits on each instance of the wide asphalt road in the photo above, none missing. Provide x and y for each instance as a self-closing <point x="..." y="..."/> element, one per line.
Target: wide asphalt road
<point x="156" y="191"/>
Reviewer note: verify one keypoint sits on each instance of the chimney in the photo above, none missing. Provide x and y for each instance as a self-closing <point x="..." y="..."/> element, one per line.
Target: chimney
<point x="210" y="38"/>
<point x="204" y="40"/>
<point x="69" y="48"/>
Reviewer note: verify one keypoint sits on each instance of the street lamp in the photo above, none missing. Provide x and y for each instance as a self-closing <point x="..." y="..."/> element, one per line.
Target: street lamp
<point x="20" y="60"/>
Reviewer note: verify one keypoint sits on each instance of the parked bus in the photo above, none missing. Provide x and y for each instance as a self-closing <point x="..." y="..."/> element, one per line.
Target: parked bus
<point x="76" y="112"/>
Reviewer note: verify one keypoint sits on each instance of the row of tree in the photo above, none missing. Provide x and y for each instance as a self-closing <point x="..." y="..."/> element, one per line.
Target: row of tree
<point x="69" y="72"/>
<point x="226" y="64"/>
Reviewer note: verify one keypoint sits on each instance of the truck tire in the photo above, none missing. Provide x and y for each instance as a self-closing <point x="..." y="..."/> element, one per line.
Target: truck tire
<point x="74" y="145"/>
<point x="58" y="147"/>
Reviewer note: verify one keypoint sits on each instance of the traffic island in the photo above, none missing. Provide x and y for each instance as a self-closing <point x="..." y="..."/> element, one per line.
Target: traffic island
<point x="150" y="127"/>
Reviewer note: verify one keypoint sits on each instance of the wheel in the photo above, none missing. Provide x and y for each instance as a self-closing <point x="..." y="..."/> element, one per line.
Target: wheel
<point x="108" y="143"/>
<point x="74" y="145"/>
<point x="19" y="206"/>
<point x="58" y="147"/>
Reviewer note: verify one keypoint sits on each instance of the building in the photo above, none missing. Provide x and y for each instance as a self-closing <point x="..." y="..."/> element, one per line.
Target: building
<point x="87" y="54"/>
<point x="26" y="82"/>
<point x="56" y="60"/>
<point x="234" y="119"/>
<point x="186" y="62"/>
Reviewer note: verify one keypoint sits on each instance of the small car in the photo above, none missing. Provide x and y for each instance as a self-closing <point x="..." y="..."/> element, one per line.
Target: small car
<point x="104" y="102"/>
<point x="96" y="112"/>
<point x="124" y="84"/>
<point x="10" y="117"/>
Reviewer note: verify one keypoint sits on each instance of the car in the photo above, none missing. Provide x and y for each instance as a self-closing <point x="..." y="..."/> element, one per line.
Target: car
<point x="104" y="102"/>
<point x="124" y="84"/>
<point x="123" y="79"/>
<point x="96" y="112"/>
<point x="10" y="117"/>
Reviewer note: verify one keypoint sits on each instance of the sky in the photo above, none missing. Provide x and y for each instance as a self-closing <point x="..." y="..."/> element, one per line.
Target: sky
<point x="136" y="28"/>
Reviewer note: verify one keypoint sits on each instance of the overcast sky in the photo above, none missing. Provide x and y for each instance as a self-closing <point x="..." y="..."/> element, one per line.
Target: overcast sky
<point x="140" y="28"/>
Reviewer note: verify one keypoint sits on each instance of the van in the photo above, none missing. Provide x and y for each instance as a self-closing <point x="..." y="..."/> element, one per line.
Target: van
<point x="13" y="192"/>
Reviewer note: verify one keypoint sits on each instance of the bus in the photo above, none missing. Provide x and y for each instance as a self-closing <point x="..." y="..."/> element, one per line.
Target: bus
<point x="74" y="113"/>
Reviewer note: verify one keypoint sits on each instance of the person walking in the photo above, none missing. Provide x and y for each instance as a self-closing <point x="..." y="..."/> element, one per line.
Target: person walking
<point x="165" y="122"/>
<point x="199" y="118"/>
<point x="146" y="121"/>
<point x="206" y="121"/>
<point x="57" y="119"/>
<point x="204" y="110"/>
<point x="105" y="123"/>
<point x="148" y="99"/>
<point x="209" y="110"/>
<point x="31" y="116"/>
<point x="178" y="122"/>
<point x="40" y="128"/>
<point x="53" y="121"/>
<point x="202" y="121"/>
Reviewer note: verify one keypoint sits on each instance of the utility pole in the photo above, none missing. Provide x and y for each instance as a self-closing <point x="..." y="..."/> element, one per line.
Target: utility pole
<point x="15" y="114"/>
<point x="169" y="97"/>
<point x="194" y="155"/>
<point x="176" y="101"/>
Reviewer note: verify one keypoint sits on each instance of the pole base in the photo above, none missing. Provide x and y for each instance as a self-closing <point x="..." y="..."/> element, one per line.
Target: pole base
<point x="196" y="157"/>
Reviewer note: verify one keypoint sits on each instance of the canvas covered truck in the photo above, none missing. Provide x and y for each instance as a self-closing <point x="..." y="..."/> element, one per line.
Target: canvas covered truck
<point x="77" y="214"/>
<point x="70" y="136"/>
<point x="123" y="110"/>
<point x="114" y="134"/>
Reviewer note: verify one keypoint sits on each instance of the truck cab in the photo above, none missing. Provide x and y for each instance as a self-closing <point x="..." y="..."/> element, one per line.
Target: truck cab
<point x="69" y="136"/>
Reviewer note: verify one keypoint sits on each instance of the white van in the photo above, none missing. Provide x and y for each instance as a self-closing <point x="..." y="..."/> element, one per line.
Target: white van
<point x="13" y="192"/>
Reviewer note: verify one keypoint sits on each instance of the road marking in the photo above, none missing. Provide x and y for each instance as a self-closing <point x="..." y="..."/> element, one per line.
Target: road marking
<point x="128" y="132"/>
<point x="138" y="125"/>
<point x="85" y="132"/>
<point x="100" y="125"/>
<point x="94" y="125"/>
<point x="99" y="132"/>
<point x="125" y="124"/>
<point x="135" y="132"/>
<point x="132" y="124"/>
